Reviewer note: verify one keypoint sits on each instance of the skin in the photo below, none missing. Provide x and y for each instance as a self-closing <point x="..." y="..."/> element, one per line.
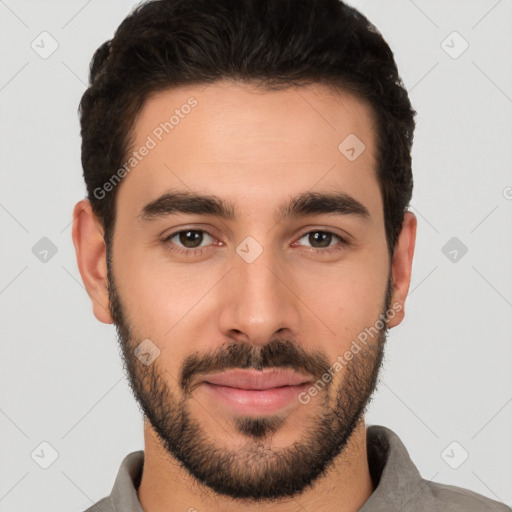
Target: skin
<point x="255" y="149"/>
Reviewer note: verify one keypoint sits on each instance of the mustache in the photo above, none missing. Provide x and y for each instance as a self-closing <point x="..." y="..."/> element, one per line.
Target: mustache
<point x="242" y="355"/>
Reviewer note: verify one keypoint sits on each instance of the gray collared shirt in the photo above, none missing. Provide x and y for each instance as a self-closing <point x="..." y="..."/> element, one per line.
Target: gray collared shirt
<point x="398" y="485"/>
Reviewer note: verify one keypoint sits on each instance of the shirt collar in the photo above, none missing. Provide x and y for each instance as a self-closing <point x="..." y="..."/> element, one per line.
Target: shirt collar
<point x="124" y="493"/>
<point x="396" y="480"/>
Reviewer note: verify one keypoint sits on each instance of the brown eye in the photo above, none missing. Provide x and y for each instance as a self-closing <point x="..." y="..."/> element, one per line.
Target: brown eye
<point x="322" y="239"/>
<point x="188" y="239"/>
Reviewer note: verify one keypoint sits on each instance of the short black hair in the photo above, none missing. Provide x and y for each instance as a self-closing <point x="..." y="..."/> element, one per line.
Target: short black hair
<point x="163" y="44"/>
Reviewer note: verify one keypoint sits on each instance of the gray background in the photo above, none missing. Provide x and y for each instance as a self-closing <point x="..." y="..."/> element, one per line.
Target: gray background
<point x="447" y="373"/>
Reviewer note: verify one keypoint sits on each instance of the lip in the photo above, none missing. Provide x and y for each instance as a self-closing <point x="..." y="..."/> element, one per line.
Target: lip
<point x="257" y="380"/>
<point x="256" y="392"/>
<point x="255" y="401"/>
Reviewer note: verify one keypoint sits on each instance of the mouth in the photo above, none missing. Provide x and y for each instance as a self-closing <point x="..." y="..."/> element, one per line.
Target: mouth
<point x="257" y="380"/>
<point x="255" y="392"/>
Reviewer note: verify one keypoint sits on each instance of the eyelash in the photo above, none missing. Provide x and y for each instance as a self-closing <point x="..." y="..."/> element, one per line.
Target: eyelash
<point x="198" y="251"/>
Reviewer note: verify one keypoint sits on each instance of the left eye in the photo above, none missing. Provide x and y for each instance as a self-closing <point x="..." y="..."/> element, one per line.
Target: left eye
<point x="322" y="237"/>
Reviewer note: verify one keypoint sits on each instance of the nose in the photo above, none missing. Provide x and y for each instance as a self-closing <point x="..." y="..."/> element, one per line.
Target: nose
<point x="259" y="300"/>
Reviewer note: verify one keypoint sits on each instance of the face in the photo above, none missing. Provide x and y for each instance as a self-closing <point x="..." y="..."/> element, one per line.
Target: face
<point x="253" y="277"/>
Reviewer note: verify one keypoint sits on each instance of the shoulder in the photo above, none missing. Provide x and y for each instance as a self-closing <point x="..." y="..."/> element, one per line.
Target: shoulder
<point x="459" y="499"/>
<point x="104" y="505"/>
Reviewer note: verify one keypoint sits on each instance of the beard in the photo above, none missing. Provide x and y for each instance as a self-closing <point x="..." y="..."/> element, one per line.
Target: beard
<point x="257" y="472"/>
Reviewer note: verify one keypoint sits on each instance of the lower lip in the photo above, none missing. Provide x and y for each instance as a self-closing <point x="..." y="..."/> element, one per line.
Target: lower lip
<point x="264" y="401"/>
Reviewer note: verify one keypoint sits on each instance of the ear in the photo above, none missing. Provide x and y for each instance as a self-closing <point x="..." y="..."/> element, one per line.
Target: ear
<point x="91" y="255"/>
<point x="401" y="265"/>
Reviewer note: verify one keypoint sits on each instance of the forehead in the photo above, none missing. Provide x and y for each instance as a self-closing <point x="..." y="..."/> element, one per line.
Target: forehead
<point x="238" y="141"/>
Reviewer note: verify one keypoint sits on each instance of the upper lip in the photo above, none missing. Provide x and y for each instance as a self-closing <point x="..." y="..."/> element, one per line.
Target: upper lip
<point x="254" y="379"/>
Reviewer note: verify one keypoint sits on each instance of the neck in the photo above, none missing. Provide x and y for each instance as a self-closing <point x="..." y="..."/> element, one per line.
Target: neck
<point x="165" y="485"/>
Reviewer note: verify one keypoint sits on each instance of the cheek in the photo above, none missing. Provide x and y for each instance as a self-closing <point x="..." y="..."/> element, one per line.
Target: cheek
<point x="347" y="301"/>
<point x="356" y="288"/>
<point x="155" y="296"/>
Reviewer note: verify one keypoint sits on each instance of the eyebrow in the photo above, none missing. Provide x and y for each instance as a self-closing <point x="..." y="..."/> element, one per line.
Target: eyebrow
<point x="306" y="203"/>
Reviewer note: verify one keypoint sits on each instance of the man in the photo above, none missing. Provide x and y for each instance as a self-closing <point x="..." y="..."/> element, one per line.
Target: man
<point x="246" y="229"/>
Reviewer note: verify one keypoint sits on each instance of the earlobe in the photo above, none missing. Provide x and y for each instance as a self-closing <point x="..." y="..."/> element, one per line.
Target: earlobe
<point x="91" y="258"/>
<point x="402" y="266"/>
